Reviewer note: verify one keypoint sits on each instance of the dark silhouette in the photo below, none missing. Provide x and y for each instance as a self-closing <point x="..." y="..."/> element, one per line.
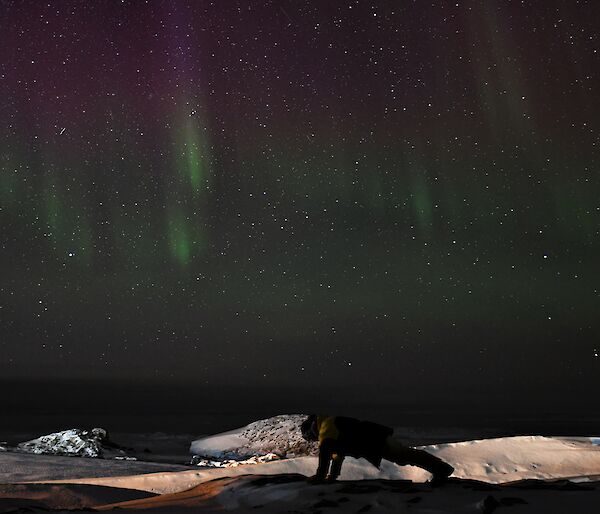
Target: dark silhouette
<point x="341" y="436"/>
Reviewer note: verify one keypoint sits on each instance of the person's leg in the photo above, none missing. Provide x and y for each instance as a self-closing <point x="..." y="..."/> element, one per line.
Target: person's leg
<point x="396" y="452"/>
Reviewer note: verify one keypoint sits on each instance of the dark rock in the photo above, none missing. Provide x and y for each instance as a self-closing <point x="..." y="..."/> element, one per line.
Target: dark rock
<point x="488" y="505"/>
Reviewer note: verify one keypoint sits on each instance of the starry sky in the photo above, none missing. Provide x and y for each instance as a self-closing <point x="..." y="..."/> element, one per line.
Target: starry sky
<point x="381" y="193"/>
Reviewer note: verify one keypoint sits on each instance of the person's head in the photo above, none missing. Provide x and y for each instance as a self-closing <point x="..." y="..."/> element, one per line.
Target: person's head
<point x="309" y="428"/>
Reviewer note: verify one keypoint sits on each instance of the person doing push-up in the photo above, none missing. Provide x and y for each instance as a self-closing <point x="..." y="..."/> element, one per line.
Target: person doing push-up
<point x="341" y="436"/>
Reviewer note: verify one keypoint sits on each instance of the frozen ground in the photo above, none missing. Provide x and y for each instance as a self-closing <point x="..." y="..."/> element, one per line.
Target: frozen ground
<point x="524" y="474"/>
<point x="20" y="467"/>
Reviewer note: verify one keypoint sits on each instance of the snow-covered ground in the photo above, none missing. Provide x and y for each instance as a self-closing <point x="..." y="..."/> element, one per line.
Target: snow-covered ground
<point x="517" y="474"/>
<point x="509" y="459"/>
<point x="290" y="493"/>
<point x="494" y="461"/>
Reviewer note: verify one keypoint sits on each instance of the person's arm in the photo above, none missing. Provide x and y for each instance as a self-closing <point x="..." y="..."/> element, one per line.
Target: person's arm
<point x="325" y="456"/>
<point x="336" y="467"/>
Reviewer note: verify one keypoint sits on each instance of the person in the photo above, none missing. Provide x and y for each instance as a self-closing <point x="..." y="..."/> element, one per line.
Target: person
<point x="341" y="436"/>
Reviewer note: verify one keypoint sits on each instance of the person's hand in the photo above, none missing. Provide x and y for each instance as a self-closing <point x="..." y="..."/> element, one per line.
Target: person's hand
<point x="316" y="479"/>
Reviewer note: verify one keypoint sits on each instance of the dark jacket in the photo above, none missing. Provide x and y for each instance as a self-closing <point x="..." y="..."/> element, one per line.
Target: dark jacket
<point x="342" y="436"/>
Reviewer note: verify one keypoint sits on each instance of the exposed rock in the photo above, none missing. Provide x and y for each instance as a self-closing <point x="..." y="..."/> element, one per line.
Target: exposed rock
<point x="73" y="442"/>
<point x="279" y="435"/>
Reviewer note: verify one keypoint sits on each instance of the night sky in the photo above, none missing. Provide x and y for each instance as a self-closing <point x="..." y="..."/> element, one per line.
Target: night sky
<point x="395" y="193"/>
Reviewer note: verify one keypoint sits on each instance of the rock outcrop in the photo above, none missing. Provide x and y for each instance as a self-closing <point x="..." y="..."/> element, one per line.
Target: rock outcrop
<point x="92" y="443"/>
<point x="279" y="435"/>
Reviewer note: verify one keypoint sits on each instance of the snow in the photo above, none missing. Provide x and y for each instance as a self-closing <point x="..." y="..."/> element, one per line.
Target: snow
<point x="510" y="459"/>
<point x="523" y="474"/>
<point x="221" y="446"/>
<point x="256" y="459"/>
<point x="493" y="461"/>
